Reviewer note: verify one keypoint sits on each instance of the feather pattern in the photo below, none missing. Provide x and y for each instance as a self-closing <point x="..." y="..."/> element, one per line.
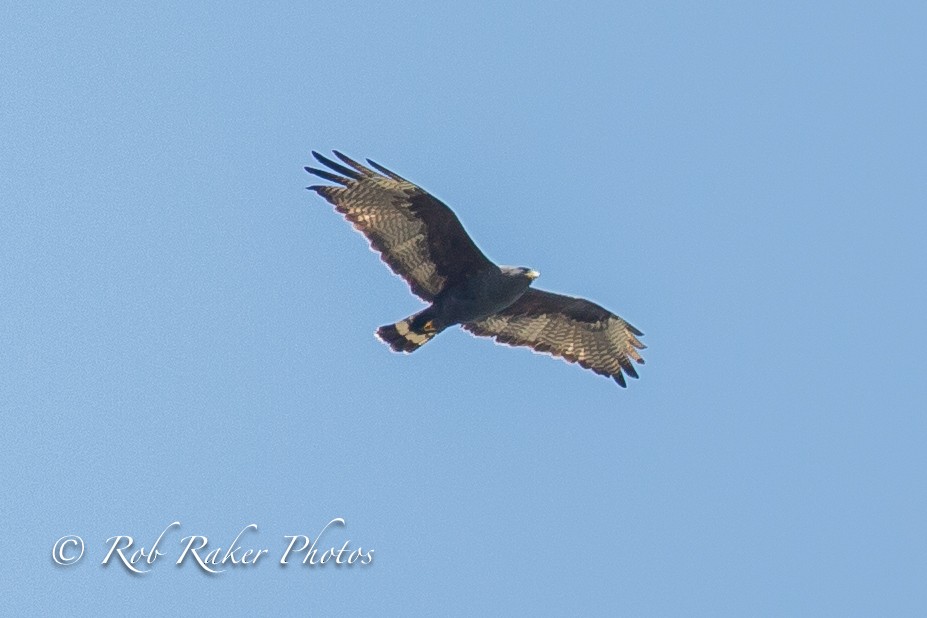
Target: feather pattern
<point x="420" y="238"/>
<point x="574" y="329"/>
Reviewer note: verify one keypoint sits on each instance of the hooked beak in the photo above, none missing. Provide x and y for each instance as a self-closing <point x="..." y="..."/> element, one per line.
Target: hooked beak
<point x="533" y="274"/>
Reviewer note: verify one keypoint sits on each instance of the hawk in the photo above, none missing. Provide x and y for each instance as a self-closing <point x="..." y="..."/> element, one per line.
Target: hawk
<point x="423" y="241"/>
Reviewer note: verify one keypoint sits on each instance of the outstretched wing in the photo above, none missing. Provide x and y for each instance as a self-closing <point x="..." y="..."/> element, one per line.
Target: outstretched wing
<point x="575" y="329"/>
<point x="419" y="237"/>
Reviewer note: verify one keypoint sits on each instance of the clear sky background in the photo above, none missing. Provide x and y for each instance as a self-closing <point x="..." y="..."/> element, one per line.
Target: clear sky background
<point x="186" y="333"/>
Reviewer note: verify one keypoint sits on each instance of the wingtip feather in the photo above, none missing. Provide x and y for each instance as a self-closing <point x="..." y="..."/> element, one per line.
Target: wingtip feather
<point x="385" y="171"/>
<point x="357" y="166"/>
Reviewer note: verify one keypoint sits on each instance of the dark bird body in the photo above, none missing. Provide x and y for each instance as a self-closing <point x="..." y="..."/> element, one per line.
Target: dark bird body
<point x="477" y="297"/>
<point x="422" y="240"/>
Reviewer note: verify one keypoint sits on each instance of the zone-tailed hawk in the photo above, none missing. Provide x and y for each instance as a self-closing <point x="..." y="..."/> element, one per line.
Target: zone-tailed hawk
<point x="422" y="240"/>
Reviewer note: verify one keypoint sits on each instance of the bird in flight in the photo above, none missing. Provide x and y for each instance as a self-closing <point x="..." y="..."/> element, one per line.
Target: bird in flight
<point x="423" y="241"/>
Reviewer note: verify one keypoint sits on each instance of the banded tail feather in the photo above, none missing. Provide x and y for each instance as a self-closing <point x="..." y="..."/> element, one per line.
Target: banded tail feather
<point x="402" y="337"/>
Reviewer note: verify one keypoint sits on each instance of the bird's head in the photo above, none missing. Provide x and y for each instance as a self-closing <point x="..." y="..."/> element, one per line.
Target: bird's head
<point x="520" y="271"/>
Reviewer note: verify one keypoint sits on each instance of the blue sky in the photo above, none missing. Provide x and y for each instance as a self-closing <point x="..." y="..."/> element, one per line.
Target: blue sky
<point x="187" y="334"/>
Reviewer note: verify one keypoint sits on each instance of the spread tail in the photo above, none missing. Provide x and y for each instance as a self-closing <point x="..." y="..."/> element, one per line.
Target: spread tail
<point x="403" y="337"/>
